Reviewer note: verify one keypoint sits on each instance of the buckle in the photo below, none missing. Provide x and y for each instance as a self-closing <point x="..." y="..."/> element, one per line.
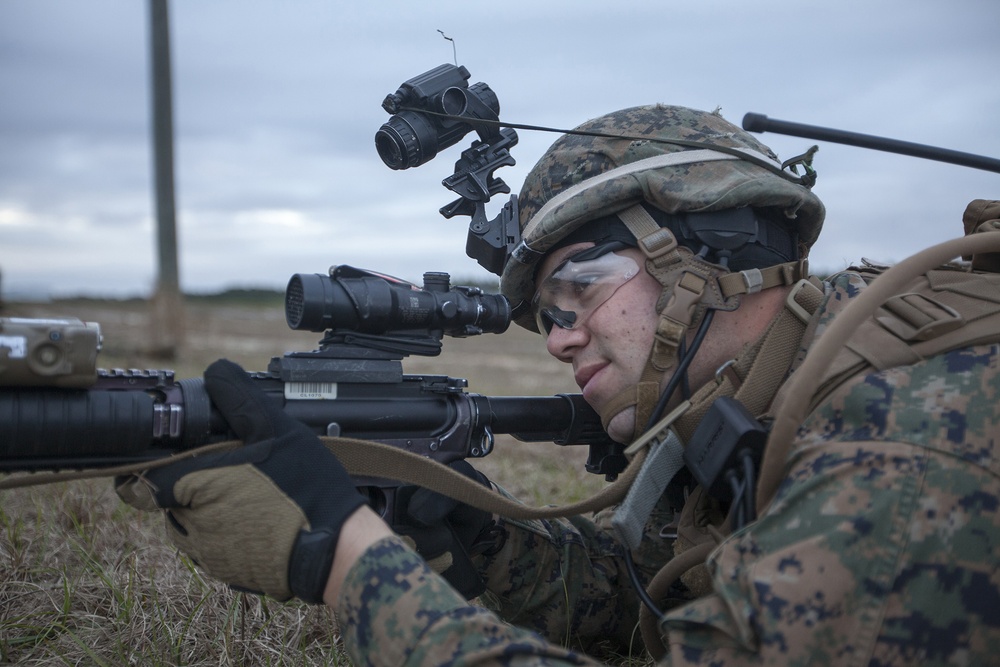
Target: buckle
<point x="753" y="279"/>
<point x="658" y="243"/>
<point x="792" y="303"/>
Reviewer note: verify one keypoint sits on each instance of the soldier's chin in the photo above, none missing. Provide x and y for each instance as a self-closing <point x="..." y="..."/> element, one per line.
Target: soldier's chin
<point x="621" y="428"/>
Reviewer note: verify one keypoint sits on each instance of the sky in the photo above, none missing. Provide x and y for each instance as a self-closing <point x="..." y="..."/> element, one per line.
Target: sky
<point x="276" y="105"/>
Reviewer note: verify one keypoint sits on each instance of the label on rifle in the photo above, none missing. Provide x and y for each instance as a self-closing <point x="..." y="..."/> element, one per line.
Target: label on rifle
<point x="306" y="391"/>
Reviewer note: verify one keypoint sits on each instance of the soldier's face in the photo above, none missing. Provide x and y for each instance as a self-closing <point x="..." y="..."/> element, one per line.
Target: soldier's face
<point x="609" y="346"/>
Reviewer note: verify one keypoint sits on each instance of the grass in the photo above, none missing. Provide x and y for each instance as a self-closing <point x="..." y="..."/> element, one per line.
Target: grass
<point x="88" y="581"/>
<point x="85" y="579"/>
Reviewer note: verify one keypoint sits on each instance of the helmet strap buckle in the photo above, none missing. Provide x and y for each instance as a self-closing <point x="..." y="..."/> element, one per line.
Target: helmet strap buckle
<point x="654" y="241"/>
<point x="658" y="244"/>
<point x="676" y="319"/>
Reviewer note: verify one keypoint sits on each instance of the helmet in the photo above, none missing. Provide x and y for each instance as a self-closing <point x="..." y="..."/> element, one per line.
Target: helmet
<point x="674" y="159"/>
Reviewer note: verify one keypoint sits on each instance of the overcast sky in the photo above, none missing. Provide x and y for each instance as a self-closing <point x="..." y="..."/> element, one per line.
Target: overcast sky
<point x="276" y="105"/>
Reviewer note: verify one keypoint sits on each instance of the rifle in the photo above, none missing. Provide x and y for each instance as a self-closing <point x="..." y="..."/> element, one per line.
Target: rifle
<point x="58" y="411"/>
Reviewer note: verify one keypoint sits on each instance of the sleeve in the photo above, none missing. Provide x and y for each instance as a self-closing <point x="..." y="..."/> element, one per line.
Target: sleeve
<point x="394" y="610"/>
<point x="565" y="579"/>
<point x="881" y="545"/>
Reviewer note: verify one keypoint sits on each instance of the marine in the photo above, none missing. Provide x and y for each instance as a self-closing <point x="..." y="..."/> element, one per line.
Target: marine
<point x="664" y="257"/>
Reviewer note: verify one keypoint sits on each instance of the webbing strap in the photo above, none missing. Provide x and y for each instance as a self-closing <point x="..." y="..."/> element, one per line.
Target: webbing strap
<point x="638" y="221"/>
<point x="762" y="367"/>
<point x="665" y="459"/>
<point x="374" y="459"/>
<point x="755" y="280"/>
<point x="41" y="478"/>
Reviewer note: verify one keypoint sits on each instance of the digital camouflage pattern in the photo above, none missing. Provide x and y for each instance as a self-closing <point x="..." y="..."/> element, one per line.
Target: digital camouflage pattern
<point x="595" y="609"/>
<point x="881" y="548"/>
<point x="696" y="187"/>
<point x="395" y="610"/>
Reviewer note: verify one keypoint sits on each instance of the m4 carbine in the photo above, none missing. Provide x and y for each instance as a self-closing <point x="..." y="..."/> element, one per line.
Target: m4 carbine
<point x="57" y="411"/>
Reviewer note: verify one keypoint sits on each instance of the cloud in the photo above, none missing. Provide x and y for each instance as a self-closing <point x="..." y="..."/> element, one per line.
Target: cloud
<point x="276" y="107"/>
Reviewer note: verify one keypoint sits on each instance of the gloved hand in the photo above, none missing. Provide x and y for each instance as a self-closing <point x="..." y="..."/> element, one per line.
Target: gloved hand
<point x="446" y="532"/>
<point x="263" y="518"/>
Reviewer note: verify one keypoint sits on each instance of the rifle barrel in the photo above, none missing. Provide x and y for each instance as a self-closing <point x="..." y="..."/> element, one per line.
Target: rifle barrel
<point x="51" y="428"/>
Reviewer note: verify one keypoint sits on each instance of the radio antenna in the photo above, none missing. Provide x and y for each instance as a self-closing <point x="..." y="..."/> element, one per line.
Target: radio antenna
<point x="454" y="51"/>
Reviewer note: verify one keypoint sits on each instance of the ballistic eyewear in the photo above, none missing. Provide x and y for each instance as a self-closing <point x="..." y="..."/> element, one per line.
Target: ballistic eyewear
<point x="580" y="285"/>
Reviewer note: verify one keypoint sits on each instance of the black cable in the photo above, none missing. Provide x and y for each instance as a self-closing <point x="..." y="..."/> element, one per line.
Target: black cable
<point x="738" y="487"/>
<point x="640" y="589"/>
<point x="685" y="381"/>
<point x="686" y="357"/>
<point x="749" y="479"/>
<point x="681" y="370"/>
<point x="679" y="375"/>
<point x="747" y="156"/>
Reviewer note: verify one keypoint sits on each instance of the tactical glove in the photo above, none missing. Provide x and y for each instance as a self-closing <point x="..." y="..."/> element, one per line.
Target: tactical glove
<point x="264" y="518"/>
<point x="447" y="533"/>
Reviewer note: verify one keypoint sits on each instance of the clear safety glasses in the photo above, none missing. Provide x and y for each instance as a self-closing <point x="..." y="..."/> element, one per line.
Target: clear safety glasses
<point x="579" y="286"/>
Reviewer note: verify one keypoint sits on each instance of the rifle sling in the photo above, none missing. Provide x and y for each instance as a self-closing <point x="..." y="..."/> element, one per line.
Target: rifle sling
<point x="375" y="459"/>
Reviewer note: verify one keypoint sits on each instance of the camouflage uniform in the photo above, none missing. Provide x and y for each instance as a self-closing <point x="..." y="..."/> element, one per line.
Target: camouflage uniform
<point x="593" y="609"/>
<point x="880" y="548"/>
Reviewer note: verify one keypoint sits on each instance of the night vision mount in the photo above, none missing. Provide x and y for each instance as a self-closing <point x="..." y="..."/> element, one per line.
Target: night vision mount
<point x="432" y="112"/>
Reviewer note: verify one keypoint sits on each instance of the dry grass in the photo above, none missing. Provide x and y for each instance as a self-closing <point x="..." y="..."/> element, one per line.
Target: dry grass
<point x="85" y="579"/>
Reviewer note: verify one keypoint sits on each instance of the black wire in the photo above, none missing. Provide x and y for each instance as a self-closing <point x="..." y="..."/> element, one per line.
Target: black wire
<point x="679" y="374"/>
<point x="749" y="478"/>
<point x="685" y="381"/>
<point x="738" y="487"/>
<point x="681" y="371"/>
<point x="761" y="162"/>
<point x="633" y="574"/>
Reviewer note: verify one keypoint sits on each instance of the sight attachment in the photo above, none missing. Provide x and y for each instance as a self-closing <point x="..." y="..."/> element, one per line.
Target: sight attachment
<point x="369" y="306"/>
<point x="430" y="113"/>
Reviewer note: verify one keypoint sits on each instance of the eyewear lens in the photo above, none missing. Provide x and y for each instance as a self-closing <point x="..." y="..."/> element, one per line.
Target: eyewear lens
<point x="568" y="296"/>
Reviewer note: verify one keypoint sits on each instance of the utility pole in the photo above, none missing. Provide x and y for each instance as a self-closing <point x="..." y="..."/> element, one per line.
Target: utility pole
<point x="167" y="321"/>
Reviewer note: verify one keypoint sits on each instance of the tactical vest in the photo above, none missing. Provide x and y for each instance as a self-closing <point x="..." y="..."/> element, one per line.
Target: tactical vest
<point x="925" y="312"/>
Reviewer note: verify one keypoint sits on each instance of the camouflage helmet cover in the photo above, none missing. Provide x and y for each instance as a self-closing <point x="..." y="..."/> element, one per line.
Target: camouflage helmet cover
<point x="700" y="186"/>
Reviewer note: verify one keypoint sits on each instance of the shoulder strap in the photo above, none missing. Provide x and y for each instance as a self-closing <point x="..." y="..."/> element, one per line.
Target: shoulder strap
<point x="756" y="375"/>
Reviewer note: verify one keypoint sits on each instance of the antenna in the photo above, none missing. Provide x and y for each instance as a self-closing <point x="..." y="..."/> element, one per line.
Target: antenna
<point x="454" y="51"/>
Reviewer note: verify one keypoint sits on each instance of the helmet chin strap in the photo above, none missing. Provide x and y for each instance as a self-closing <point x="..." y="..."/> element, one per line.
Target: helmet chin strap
<point x="693" y="288"/>
<point x="647" y="399"/>
<point x="690" y="290"/>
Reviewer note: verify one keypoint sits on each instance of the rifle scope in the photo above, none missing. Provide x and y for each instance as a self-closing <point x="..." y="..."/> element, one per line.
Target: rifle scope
<point x="363" y="302"/>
